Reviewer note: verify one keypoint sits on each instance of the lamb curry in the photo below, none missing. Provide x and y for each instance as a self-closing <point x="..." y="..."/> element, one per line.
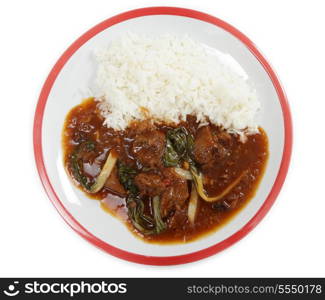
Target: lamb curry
<point x="168" y="183"/>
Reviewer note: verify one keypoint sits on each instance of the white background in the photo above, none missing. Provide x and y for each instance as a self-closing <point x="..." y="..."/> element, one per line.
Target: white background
<point x="34" y="239"/>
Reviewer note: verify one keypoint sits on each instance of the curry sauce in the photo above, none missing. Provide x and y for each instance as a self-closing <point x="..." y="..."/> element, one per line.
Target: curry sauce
<point x="146" y="151"/>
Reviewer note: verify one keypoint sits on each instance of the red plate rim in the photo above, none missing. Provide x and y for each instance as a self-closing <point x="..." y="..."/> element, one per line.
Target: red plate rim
<point x="158" y="260"/>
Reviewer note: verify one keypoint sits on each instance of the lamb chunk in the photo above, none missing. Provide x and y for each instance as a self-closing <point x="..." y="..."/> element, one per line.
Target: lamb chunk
<point x="149" y="184"/>
<point x="178" y="219"/>
<point x="225" y="138"/>
<point x="207" y="147"/>
<point x="203" y="145"/>
<point x="174" y="197"/>
<point x="142" y="126"/>
<point x="148" y="148"/>
<point x="170" y="176"/>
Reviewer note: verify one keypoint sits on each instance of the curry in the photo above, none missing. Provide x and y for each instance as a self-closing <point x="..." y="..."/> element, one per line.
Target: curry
<point x="167" y="182"/>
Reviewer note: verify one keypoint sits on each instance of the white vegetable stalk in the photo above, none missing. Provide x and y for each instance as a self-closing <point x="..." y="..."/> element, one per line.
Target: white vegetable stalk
<point x="192" y="205"/>
<point x="183" y="173"/>
<point x="200" y="188"/>
<point x="105" y="172"/>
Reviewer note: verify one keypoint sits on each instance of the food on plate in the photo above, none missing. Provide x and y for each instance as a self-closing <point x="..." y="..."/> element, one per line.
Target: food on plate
<point x="169" y="141"/>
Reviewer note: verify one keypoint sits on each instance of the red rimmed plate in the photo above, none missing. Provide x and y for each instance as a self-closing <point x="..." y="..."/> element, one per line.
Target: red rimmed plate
<point x="66" y="86"/>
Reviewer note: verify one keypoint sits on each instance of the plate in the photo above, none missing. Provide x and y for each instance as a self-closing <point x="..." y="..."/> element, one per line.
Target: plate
<point x="67" y="84"/>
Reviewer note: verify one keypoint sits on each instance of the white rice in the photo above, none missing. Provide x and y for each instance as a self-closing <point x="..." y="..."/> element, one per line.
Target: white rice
<point x="171" y="77"/>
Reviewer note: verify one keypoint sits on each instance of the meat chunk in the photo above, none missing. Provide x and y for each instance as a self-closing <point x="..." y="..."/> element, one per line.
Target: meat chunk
<point x="225" y="138"/>
<point x="113" y="183"/>
<point x="170" y="176"/>
<point x="178" y="219"/>
<point x="149" y="184"/>
<point x="207" y="147"/>
<point x="203" y="145"/>
<point x="172" y="189"/>
<point x="148" y="148"/>
<point x="174" y="197"/>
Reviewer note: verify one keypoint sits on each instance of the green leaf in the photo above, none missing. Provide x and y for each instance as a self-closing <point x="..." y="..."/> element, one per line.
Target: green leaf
<point x="170" y="157"/>
<point x="139" y="219"/>
<point x="160" y="225"/>
<point x="126" y="175"/>
<point x="179" y="147"/>
<point x="76" y="163"/>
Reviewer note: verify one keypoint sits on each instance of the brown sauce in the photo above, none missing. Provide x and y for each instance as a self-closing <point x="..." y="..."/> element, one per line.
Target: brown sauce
<point x="221" y="157"/>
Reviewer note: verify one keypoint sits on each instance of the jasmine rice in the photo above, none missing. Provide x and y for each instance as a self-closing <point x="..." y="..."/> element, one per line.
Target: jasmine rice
<point x="168" y="77"/>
